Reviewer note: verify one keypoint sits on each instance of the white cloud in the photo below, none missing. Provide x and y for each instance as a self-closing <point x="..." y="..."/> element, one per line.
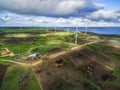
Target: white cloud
<point x="62" y="21"/>
<point x="26" y="20"/>
<point x="112" y="16"/>
<point x="56" y="8"/>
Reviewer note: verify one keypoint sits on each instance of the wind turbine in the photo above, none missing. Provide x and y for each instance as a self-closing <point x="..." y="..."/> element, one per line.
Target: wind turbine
<point x="47" y="29"/>
<point x="86" y="29"/>
<point x="21" y="27"/>
<point x="76" y="35"/>
<point x="55" y="29"/>
<point x="68" y="30"/>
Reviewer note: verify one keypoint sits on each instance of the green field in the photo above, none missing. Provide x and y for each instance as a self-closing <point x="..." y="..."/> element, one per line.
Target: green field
<point x="24" y="42"/>
<point x="12" y="79"/>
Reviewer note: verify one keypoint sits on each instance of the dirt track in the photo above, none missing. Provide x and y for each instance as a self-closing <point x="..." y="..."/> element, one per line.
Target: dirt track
<point x="53" y="56"/>
<point x="3" y="69"/>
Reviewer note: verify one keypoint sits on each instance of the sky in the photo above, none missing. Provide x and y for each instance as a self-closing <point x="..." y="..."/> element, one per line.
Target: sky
<point x="61" y="13"/>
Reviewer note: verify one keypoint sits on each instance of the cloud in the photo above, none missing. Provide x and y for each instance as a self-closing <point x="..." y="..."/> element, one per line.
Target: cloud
<point x="56" y="8"/>
<point x="11" y="19"/>
<point x="109" y="16"/>
<point x="62" y="21"/>
<point x="56" y="13"/>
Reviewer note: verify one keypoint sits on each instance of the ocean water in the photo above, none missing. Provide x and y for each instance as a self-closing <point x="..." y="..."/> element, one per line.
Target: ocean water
<point x="99" y="30"/>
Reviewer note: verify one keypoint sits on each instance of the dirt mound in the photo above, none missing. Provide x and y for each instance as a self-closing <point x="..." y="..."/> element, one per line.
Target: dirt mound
<point x="54" y="50"/>
<point x="18" y="40"/>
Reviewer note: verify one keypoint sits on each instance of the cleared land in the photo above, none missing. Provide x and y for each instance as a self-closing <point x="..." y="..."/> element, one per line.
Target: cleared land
<point x="94" y="64"/>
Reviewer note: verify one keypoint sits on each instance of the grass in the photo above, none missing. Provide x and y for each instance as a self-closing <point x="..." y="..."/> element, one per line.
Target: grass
<point x="5" y="63"/>
<point x="13" y="75"/>
<point x="41" y="43"/>
<point x="18" y="35"/>
<point x="57" y="34"/>
<point x="42" y="49"/>
<point x="46" y="41"/>
<point x="115" y="79"/>
<point x="104" y="49"/>
<point x="20" y="48"/>
<point x="25" y="30"/>
<point x="7" y="58"/>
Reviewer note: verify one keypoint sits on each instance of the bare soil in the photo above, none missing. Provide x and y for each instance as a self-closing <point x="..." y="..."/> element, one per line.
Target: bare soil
<point x="100" y="58"/>
<point x="54" y="50"/>
<point x="18" y="40"/>
<point x="3" y="69"/>
<point x="56" y="73"/>
<point x="62" y="77"/>
<point x="112" y="88"/>
<point x="93" y="69"/>
<point x="60" y="74"/>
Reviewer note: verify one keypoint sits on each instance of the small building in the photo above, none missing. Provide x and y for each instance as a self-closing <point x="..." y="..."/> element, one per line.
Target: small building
<point x="33" y="56"/>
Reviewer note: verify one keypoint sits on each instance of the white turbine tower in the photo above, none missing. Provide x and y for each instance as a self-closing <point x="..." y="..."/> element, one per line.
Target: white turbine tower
<point x="76" y="35"/>
<point x="68" y="30"/>
<point x="21" y="27"/>
<point x="47" y="29"/>
<point x="86" y="29"/>
<point x="55" y="29"/>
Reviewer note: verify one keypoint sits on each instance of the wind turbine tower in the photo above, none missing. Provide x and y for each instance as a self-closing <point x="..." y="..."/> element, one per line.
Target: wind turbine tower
<point x="76" y="36"/>
<point x="68" y="30"/>
<point x="55" y="29"/>
<point x="86" y="30"/>
<point x="47" y="29"/>
<point x="21" y="27"/>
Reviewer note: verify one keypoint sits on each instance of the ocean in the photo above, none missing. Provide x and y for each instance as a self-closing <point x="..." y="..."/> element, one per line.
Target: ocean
<point x="99" y="30"/>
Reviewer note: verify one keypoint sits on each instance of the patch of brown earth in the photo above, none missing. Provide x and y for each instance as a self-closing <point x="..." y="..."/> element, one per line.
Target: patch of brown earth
<point x="62" y="77"/>
<point x="90" y="65"/>
<point x="112" y="88"/>
<point x="3" y="69"/>
<point x="57" y="74"/>
<point x="18" y="40"/>
<point x="54" y="50"/>
<point x="100" y="58"/>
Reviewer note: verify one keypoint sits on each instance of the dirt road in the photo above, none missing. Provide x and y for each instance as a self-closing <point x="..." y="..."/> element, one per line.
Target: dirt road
<point x="73" y="49"/>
